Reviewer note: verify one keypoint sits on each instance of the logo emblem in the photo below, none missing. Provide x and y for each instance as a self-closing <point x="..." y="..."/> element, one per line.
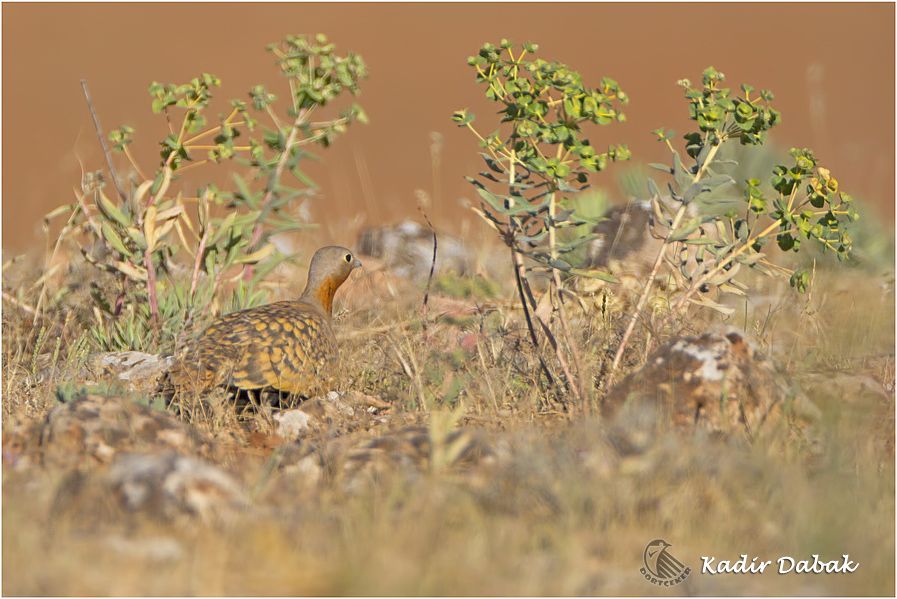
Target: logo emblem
<point x="661" y="568"/>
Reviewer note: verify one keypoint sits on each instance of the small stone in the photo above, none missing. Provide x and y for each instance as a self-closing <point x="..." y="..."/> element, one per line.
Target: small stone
<point x="138" y="369"/>
<point x="167" y="485"/>
<point x="292" y="424"/>
<point x="624" y="239"/>
<point x="406" y="249"/>
<point x="336" y="399"/>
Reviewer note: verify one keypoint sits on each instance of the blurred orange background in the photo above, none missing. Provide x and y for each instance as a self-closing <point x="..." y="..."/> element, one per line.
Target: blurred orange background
<point x="831" y="67"/>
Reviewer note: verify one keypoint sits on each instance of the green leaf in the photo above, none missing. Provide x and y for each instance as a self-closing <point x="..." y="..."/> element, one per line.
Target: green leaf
<point x="257" y="255"/>
<point x="157" y="182"/>
<point x="497" y="204"/>
<point x="788" y="242"/>
<point x="114" y="240"/>
<point x="680" y="174"/>
<point x="493" y="165"/>
<point x="708" y="303"/>
<point x="110" y="210"/>
<point x="463" y="118"/>
<point x="800" y="280"/>
<point x="559" y="264"/>
<point x="685" y="230"/>
<point x="223" y="228"/>
<point x="303" y="178"/>
<point x="594" y="274"/>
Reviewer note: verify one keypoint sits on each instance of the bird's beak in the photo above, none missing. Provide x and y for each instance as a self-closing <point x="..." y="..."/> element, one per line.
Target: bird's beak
<point x="356" y="263"/>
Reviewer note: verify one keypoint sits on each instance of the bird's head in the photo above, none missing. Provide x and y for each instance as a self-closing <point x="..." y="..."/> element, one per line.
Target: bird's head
<point x="329" y="268"/>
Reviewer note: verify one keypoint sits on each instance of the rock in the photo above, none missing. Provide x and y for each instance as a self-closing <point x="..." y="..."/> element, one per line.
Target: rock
<point x="168" y="485"/>
<point x="20" y="443"/>
<point x="301" y="468"/>
<point x="138" y="369"/>
<point x="718" y="383"/>
<point x="292" y="424"/>
<point x="625" y="243"/>
<point x="407" y="249"/>
<point x="92" y="429"/>
<point x="338" y="411"/>
<point x="624" y="240"/>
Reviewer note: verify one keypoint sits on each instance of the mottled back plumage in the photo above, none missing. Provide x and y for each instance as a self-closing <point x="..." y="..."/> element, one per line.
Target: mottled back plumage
<point x="285" y="346"/>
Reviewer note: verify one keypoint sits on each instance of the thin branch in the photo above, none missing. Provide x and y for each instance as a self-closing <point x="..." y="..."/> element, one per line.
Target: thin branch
<point x="207" y="132"/>
<point x="425" y="306"/>
<point x="182" y="169"/>
<point x="133" y="162"/>
<point x="519" y="276"/>
<point x="197" y="263"/>
<point x="102" y="138"/>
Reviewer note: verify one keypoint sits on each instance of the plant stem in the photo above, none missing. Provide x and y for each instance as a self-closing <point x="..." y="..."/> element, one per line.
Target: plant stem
<point x="99" y="130"/>
<point x="151" y="290"/>
<point x="209" y="147"/>
<point x="520" y="273"/>
<point x="192" y="165"/>
<point x="558" y="301"/>
<point x="211" y="131"/>
<point x="425" y="307"/>
<point x="271" y="187"/>
<point x="197" y="263"/>
<point x="133" y="162"/>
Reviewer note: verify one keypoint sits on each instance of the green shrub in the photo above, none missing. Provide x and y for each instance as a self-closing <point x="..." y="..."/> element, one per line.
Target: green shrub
<point x="170" y="252"/>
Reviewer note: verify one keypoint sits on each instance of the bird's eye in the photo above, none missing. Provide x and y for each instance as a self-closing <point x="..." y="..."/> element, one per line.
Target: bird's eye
<point x="348" y="257"/>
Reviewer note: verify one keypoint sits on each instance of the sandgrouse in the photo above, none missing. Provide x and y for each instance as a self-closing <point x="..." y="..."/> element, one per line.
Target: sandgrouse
<point x="285" y="346"/>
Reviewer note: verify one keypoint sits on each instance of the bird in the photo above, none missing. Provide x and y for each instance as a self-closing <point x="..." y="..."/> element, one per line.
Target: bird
<point x="286" y="347"/>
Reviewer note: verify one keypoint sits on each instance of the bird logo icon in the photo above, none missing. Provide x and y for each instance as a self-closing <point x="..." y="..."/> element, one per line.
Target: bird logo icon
<point x="661" y="568"/>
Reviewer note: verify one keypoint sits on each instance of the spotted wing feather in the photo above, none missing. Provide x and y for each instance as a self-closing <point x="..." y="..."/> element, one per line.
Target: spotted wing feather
<point x="288" y="346"/>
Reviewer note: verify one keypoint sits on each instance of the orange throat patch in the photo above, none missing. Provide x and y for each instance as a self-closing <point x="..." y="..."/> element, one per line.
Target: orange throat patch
<point x="325" y="292"/>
